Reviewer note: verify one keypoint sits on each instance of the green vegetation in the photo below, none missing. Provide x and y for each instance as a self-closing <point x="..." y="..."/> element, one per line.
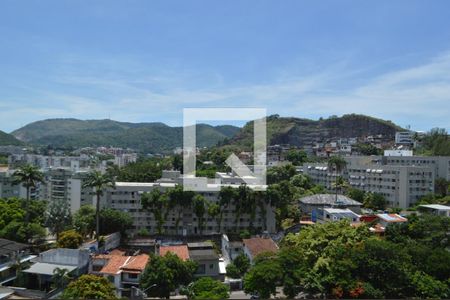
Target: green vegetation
<point x="90" y="287"/>
<point x="70" y="239"/>
<point x="208" y="288"/>
<point x="336" y="260"/>
<point x="435" y="143"/>
<point x="299" y="132"/>
<point x="29" y="176"/>
<point x="144" y="137"/>
<point x="9" y="140"/>
<point x="143" y="170"/>
<point x="164" y="274"/>
<point x="13" y="225"/>
<point x="238" y="267"/>
<point x="99" y="182"/>
<point x="57" y="217"/>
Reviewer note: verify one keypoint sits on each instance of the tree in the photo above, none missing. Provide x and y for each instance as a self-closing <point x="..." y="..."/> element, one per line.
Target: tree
<point x="29" y="176"/>
<point x="156" y="203"/>
<point x="61" y="277"/>
<point x="375" y="201"/>
<point x="296" y="157"/>
<point x="70" y="239"/>
<point x="90" y="287"/>
<point x="441" y="186"/>
<point x="167" y="273"/>
<point x="356" y="194"/>
<point x="242" y="263"/>
<point x="233" y="271"/>
<point x="214" y="212"/>
<point x="58" y="216"/>
<point x="180" y="199"/>
<point x="199" y="205"/>
<point x="208" y="288"/>
<point x="112" y="220"/>
<point x="84" y="220"/>
<point x="99" y="182"/>
<point x="339" y="184"/>
<point x="263" y="277"/>
<point x="277" y="174"/>
<point x="338" y="164"/>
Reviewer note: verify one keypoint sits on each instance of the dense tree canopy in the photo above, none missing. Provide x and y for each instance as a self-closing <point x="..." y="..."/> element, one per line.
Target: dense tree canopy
<point x="167" y="273"/>
<point x="208" y="288"/>
<point x="13" y="225"/>
<point x="90" y="287"/>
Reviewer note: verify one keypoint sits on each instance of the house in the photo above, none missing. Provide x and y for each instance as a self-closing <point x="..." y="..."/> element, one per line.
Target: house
<point x="181" y="251"/>
<point x="74" y="261"/>
<point x="232" y="246"/>
<point x="120" y="269"/>
<point x="337" y="214"/>
<point x="257" y="245"/>
<point x="386" y="219"/>
<point x="207" y="259"/>
<point x="320" y="201"/>
<point x="12" y="253"/>
<point x="437" y="209"/>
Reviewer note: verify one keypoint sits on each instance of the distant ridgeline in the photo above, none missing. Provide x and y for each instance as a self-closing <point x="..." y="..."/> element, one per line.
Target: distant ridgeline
<point x="160" y="138"/>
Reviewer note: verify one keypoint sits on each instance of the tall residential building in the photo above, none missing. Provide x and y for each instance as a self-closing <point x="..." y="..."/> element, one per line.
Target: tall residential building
<point x="127" y="197"/>
<point x="403" y="180"/>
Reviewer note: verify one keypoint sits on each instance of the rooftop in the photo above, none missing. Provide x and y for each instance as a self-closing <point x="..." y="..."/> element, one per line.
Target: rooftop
<point x="198" y="245"/>
<point x="7" y="246"/>
<point x="180" y="250"/>
<point x="392" y="218"/>
<point x="329" y="199"/>
<point x="203" y="254"/>
<point x="436" y="206"/>
<point x="47" y="269"/>
<point x="259" y="245"/>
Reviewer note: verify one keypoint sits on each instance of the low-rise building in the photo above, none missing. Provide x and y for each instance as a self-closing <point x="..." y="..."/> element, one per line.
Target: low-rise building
<point x="120" y="269"/>
<point x="258" y="245"/>
<point x="321" y="201"/>
<point x="11" y="255"/>
<point x="206" y="258"/>
<point x="337" y="214"/>
<point x="436" y="209"/>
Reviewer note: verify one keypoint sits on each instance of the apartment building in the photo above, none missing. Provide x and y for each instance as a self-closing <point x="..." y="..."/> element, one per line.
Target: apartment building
<point x="401" y="179"/>
<point x="127" y="197"/>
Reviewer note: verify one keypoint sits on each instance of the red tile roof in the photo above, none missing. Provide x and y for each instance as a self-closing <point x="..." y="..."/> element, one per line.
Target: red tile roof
<point x="115" y="262"/>
<point x="259" y="245"/>
<point x="136" y="263"/>
<point x="180" y="250"/>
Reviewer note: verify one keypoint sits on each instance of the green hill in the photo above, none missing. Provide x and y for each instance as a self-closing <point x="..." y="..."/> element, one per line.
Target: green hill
<point x="9" y="140"/>
<point x="300" y="132"/>
<point x="145" y="137"/>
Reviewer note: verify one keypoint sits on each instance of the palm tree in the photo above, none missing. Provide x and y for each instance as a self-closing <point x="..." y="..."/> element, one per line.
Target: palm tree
<point x="339" y="184"/>
<point x="99" y="182"/>
<point x="157" y="203"/>
<point x="29" y="176"/>
<point x="214" y="212"/>
<point x="226" y="196"/>
<point x="60" y="277"/>
<point x="180" y="199"/>
<point x="338" y="164"/>
<point x="199" y="204"/>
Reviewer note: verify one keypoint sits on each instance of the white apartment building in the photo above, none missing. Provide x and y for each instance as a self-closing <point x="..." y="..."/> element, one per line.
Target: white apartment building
<point x="404" y="137"/>
<point x="401" y="179"/>
<point x="127" y="197"/>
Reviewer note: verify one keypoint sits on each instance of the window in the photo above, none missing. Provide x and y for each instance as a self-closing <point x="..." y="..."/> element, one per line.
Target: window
<point x="211" y="266"/>
<point x="133" y="276"/>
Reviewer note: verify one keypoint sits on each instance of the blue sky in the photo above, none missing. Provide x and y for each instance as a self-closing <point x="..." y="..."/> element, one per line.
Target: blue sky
<point x="144" y="61"/>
